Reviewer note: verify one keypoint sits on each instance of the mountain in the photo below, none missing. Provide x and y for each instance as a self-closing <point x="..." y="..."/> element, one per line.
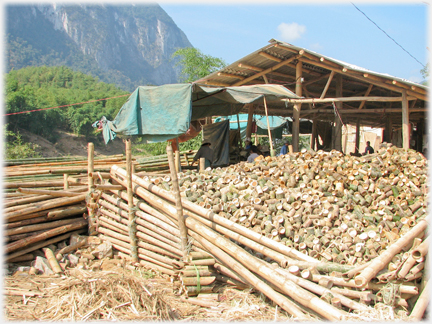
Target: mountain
<point x="128" y="45"/>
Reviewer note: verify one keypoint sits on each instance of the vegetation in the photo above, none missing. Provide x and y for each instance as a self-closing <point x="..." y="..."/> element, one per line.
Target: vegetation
<point x="33" y="88"/>
<point x="15" y="148"/>
<point x="196" y="65"/>
<point x="140" y="148"/>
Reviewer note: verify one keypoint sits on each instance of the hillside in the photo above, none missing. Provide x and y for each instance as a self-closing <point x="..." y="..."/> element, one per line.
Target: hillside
<point x="69" y="144"/>
<point x="128" y="45"/>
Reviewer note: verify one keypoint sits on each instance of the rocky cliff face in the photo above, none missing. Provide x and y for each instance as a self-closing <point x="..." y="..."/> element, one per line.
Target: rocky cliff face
<point x="131" y="43"/>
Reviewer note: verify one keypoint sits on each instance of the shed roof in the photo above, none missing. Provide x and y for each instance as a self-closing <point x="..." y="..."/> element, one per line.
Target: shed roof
<point x="369" y="95"/>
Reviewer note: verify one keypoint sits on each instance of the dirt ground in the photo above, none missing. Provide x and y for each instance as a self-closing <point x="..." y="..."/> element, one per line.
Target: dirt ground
<point x="69" y="144"/>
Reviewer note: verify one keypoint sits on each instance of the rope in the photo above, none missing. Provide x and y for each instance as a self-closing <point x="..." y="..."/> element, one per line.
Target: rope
<point x="80" y="103"/>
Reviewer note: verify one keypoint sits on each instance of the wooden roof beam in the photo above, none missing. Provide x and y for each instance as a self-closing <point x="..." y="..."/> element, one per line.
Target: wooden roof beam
<point x="346" y="99"/>
<point x="359" y="76"/>
<point x="327" y="84"/>
<point x="275" y="67"/>
<point x="258" y="69"/>
<point x="230" y="75"/>
<point x="366" y="94"/>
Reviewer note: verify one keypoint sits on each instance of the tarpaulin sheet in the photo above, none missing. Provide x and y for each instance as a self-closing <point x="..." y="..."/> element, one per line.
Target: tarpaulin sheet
<point x="277" y="124"/>
<point x="218" y="134"/>
<point x="214" y="101"/>
<point x="160" y="113"/>
<point x="156" y="113"/>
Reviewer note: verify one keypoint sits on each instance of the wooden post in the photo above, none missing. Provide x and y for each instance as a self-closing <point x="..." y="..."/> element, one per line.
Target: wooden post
<point x="337" y="129"/>
<point x="91" y="187"/>
<point x="405" y="122"/>
<point x="239" y="131"/>
<point x="314" y="134"/>
<point x="387" y="129"/>
<point x="177" y="161"/>
<point x="131" y="213"/>
<point x="357" y="136"/>
<point x="251" y="109"/>
<point x="179" y="207"/>
<point x="272" y="152"/>
<point x="297" y="107"/>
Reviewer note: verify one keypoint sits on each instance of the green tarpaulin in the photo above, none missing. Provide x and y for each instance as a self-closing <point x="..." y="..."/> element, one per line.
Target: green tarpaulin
<point x="159" y="113"/>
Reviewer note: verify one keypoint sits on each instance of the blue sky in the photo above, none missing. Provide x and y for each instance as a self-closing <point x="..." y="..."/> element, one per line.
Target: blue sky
<point x="336" y="29"/>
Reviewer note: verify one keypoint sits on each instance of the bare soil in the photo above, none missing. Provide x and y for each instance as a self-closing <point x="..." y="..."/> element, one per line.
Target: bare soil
<point x="68" y="144"/>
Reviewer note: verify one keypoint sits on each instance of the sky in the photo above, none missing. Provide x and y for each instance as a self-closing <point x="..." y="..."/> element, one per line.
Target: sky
<point x="232" y="30"/>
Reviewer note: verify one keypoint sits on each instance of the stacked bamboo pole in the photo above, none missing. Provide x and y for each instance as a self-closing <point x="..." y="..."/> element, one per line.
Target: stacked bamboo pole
<point x="153" y="190"/>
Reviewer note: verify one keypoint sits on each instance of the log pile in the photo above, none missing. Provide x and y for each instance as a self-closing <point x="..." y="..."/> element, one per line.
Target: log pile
<point x="362" y="258"/>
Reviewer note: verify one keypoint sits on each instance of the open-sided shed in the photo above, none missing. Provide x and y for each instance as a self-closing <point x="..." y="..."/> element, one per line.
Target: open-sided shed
<point x="331" y="90"/>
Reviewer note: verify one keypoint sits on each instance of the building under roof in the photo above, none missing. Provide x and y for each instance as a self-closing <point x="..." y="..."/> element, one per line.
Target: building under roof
<point x="333" y="92"/>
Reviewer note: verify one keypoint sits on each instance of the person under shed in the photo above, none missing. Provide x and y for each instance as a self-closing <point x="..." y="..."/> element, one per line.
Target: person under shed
<point x="254" y="154"/>
<point x="206" y="152"/>
<point x="284" y="149"/>
<point x="369" y="149"/>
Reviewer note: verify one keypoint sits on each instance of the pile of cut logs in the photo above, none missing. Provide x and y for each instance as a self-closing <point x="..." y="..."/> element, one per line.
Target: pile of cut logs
<point x="336" y="234"/>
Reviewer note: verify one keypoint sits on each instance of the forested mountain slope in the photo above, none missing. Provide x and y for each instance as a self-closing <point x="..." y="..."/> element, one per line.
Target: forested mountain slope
<point x="128" y="45"/>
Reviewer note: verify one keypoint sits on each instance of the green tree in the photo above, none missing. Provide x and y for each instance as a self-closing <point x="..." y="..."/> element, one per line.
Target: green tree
<point x="196" y="65"/>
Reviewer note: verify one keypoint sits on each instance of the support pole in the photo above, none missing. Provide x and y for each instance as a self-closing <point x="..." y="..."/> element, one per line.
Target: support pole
<point x="272" y="152"/>
<point x="238" y="128"/>
<point x="337" y="129"/>
<point x="91" y="187"/>
<point x="297" y="108"/>
<point x="405" y="122"/>
<point x="387" y="129"/>
<point x="357" y="136"/>
<point x="250" y="119"/>
<point x="314" y="134"/>
<point x="179" y="207"/>
<point x="131" y="213"/>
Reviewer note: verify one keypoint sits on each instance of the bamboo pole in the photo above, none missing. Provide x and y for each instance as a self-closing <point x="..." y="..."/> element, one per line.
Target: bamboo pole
<point x="70" y="248"/>
<point x="421" y="305"/>
<point x="320" y="290"/>
<point x="149" y="228"/>
<point x="91" y="187"/>
<point x="131" y="214"/>
<point x="383" y="259"/>
<point x="152" y="224"/>
<point x="38" y="227"/>
<point x="178" y="203"/>
<point x="44" y="206"/>
<point x="301" y="295"/>
<point x="55" y="193"/>
<point x="252" y="279"/>
<point x="50" y="233"/>
<point x="39" y="245"/>
<point x="49" y="254"/>
<point x="156" y="247"/>
<point x="272" y="152"/>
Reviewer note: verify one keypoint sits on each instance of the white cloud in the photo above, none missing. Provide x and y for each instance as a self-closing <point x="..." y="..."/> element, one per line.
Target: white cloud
<point x="290" y="32"/>
<point x="415" y="79"/>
